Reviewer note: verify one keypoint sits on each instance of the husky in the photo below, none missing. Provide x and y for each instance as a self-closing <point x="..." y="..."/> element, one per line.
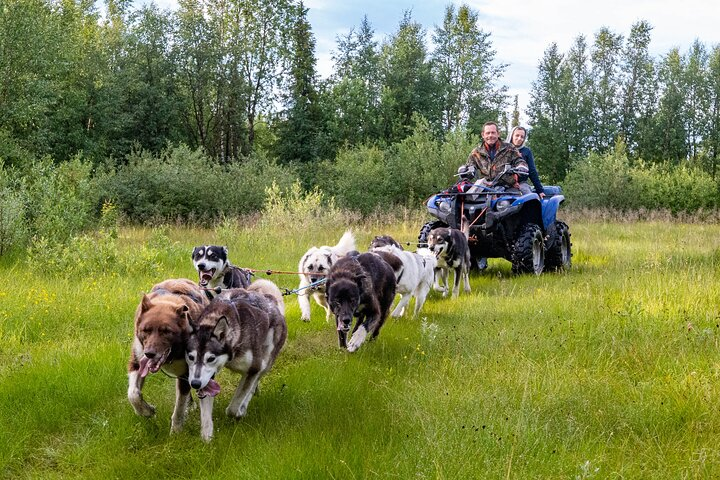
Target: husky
<point x="384" y="241"/>
<point x="414" y="272"/>
<point x="163" y="322"/>
<point x="313" y="266"/>
<point x="215" y="271"/>
<point x="361" y="286"/>
<point x="243" y="330"/>
<point x="450" y="247"/>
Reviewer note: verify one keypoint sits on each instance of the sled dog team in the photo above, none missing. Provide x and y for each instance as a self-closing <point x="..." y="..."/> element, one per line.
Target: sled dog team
<point x="192" y="330"/>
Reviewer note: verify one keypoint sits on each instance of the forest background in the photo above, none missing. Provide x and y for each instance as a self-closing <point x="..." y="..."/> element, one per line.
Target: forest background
<point x="202" y="112"/>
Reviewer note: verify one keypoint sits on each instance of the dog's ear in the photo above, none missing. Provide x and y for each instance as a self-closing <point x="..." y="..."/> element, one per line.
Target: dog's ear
<point x="191" y="328"/>
<point x="363" y="282"/>
<point x="194" y="251"/>
<point x="225" y="251"/>
<point x="221" y="328"/>
<point x="301" y="265"/>
<point x="329" y="260"/>
<point x="145" y="304"/>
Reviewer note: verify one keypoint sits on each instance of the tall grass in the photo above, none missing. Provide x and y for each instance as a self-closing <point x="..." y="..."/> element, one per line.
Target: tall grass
<point x="607" y="371"/>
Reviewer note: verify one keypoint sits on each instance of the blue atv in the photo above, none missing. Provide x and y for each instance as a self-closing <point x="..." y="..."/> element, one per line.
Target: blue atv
<point x="501" y="222"/>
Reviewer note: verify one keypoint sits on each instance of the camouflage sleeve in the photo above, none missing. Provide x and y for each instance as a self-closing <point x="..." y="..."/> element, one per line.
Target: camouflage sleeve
<point x="517" y="159"/>
<point x="472" y="160"/>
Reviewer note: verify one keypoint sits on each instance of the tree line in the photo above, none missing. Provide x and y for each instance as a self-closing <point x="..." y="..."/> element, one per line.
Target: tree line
<point x="664" y="110"/>
<point x="230" y="77"/>
<point x="196" y="114"/>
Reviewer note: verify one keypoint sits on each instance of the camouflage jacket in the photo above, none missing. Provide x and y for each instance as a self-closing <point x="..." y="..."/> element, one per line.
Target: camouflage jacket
<point x="506" y="154"/>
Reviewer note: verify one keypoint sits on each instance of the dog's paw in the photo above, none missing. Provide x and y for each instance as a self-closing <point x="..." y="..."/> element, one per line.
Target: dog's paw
<point x="206" y="436"/>
<point x="304" y="317"/>
<point x="357" y="339"/>
<point x="236" y="413"/>
<point x="144" y="409"/>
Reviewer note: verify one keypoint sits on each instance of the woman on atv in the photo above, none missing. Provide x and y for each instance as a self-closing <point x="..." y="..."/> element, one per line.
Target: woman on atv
<point x="518" y="135"/>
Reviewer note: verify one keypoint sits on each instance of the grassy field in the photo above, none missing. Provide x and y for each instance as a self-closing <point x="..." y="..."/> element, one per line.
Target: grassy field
<point x="608" y="371"/>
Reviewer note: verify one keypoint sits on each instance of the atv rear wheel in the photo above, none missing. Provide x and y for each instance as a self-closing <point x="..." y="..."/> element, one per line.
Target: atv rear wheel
<point x="528" y="255"/>
<point x="559" y="253"/>
<point x="425" y="232"/>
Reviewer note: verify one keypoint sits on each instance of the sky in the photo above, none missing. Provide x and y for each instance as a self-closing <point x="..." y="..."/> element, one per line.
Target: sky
<point x="520" y="30"/>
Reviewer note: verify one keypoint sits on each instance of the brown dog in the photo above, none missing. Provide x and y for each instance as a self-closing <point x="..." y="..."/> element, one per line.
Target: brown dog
<point x="162" y="326"/>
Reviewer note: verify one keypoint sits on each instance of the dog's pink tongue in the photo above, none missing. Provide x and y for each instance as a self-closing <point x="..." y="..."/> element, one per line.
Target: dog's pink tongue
<point x="144" y="367"/>
<point x="212" y="388"/>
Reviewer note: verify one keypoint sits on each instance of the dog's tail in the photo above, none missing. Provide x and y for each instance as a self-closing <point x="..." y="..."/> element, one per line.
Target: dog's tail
<point x="346" y="244"/>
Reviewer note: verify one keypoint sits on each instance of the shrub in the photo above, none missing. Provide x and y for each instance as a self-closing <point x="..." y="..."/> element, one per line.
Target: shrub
<point x="187" y="185"/>
<point x="13" y="231"/>
<point x="609" y="181"/>
<point x="59" y="199"/>
<point x="358" y="179"/>
<point x="301" y="208"/>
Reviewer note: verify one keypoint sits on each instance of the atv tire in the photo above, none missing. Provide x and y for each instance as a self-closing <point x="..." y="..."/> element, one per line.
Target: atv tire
<point x="528" y="255"/>
<point x="425" y="232"/>
<point x="559" y="253"/>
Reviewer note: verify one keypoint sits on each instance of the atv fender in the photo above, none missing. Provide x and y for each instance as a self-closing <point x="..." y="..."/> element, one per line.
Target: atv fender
<point x="531" y="208"/>
<point x="549" y="210"/>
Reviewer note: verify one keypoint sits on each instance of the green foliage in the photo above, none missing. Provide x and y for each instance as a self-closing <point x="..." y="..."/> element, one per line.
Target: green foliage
<point x="366" y="178"/>
<point x="100" y="252"/>
<point x="293" y="205"/>
<point x="610" y="181"/>
<point x="13" y="225"/>
<point x="184" y="184"/>
<point x="358" y="179"/>
<point x="60" y="199"/>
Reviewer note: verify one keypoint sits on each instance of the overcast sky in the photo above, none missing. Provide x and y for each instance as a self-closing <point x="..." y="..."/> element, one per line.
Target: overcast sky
<point x="521" y="30"/>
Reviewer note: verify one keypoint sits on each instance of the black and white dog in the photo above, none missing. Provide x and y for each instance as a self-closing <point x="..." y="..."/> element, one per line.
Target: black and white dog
<point x="414" y="272"/>
<point x="215" y="270"/>
<point x="361" y="286"/>
<point x="451" y="249"/>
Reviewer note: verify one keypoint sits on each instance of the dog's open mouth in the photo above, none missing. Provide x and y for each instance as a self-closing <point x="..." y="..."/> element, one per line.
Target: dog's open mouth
<point x="206" y="276"/>
<point x="152" y="365"/>
<point x="211" y="389"/>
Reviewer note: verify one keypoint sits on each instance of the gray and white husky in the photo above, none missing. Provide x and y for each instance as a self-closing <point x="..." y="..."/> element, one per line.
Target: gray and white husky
<point x="450" y="247"/>
<point x="242" y="330"/>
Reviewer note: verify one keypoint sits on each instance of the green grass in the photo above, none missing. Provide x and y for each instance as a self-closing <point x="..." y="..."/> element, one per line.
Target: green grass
<point x="608" y="371"/>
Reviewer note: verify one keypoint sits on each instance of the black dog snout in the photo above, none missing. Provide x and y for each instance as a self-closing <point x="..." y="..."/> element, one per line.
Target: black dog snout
<point x="201" y="266"/>
<point x="195" y="384"/>
<point x="150" y="355"/>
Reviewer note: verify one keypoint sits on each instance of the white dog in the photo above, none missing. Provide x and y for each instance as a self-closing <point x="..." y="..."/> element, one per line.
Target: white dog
<point x="313" y="266"/>
<point x="414" y="273"/>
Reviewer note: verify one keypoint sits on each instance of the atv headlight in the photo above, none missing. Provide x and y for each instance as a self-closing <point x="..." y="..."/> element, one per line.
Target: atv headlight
<point x="502" y="205"/>
<point x="444" y="206"/>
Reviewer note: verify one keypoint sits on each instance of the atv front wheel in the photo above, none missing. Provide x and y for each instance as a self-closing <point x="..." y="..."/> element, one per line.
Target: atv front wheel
<point x="559" y="253"/>
<point x="425" y="232"/>
<point x="528" y="255"/>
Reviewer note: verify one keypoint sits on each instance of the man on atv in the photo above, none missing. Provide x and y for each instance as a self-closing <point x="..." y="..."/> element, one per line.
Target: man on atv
<point x="490" y="158"/>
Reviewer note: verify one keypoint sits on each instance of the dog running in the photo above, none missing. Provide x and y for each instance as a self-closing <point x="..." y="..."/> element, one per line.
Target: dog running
<point x="313" y="266"/>
<point x="361" y="286"/>
<point x="414" y="272"/>
<point x="451" y="249"/>
<point x="163" y="322"/>
<point x="215" y="270"/>
<point x="242" y="330"/>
